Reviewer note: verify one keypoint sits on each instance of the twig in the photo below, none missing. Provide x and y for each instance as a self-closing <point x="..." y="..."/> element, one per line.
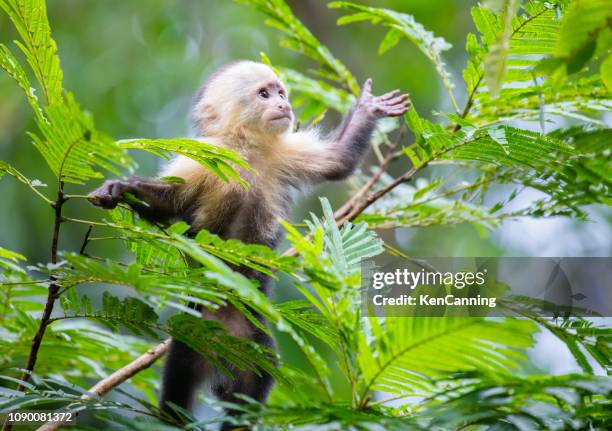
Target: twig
<point x="346" y="208"/>
<point x="51" y="296"/>
<point x="86" y="240"/>
<point x="14" y="283"/>
<point x="121" y="375"/>
<point x="358" y="209"/>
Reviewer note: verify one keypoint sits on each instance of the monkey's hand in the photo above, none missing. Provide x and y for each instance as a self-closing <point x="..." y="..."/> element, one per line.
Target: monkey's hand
<point x="110" y="194"/>
<point x="391" y="104"/>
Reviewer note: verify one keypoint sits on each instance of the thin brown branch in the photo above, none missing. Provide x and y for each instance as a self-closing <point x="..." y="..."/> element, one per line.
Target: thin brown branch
<point x="52" y="293"/>
<point x="105" y="385"/>
<point x="406" y="176"/>
<point x="391" y="153"/>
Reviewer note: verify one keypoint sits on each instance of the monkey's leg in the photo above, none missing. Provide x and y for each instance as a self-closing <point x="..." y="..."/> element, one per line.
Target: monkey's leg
<point x="184" y="372"/>
<point x="247" y="383"/>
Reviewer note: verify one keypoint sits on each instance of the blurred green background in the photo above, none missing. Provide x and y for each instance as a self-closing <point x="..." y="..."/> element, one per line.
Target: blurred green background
<point x="135" y="64"/>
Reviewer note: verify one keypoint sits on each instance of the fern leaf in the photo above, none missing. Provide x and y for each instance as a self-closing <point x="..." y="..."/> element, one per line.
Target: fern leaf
<point x="30" y="19"/>
<point x="581" y="26"/>
<point x="9" y="258"/>
<point x="11" y="66"/>
<point x="300" y="39"/>
<point x="221" y="161"/>
<point x="5" y="168"/>
<point x="74" y="150"/>
<point x="404" y="24"/>
<point x="347" y="247"/>
<point x="409" y="353"/>
<point x="502" y="145"/>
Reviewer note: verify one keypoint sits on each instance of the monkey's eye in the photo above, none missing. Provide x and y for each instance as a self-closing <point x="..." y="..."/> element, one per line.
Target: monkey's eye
<point x="282" y="95"/>
<point x="264" y="93"/>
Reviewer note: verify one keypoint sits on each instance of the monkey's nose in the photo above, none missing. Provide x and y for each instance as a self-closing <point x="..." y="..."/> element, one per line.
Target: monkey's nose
<point x="283" y="107"/>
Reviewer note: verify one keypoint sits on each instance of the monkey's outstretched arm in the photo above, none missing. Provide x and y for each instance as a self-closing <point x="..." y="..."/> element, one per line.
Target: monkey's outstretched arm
<point x="158" y="199"/>
<point x="352" y="137"/>
<point x="308" y="159"/>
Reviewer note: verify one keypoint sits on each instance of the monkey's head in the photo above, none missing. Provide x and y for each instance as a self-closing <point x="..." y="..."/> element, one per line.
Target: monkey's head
<point x="243" y="96"/>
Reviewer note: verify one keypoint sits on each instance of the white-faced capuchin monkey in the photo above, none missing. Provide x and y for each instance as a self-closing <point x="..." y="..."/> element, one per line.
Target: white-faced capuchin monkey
<point x="245" y="107"/>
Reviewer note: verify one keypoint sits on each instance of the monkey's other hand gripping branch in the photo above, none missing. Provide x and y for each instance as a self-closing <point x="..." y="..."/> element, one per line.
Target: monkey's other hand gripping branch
<point x="156" y="198"/>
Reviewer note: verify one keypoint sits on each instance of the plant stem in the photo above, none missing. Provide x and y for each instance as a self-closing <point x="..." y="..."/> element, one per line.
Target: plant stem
<point x="53" y="289"/>
<point x="105" y="385"/>
<point x="348" y="206"/>
<point x="86" y="240"/>
<point x="358" y="209"/>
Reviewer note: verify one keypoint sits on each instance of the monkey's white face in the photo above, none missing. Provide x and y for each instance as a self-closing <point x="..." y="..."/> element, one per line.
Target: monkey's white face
<point x="276" y="113"/>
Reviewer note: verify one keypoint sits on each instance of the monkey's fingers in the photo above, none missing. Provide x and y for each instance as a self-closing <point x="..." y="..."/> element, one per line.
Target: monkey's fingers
<point x="400" y="107"/>
<point x="397" y="100"/>
<point x="387" y="96"/>
<point x="398" y="110"/>
<point x="94" y="200"/>
<point x="105" y="201"/>
<point x="367" y="87"/>
<point x="104" y="196"/>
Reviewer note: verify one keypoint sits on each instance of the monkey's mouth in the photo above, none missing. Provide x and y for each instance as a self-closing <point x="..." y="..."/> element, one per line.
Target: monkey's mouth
<point x="281" y="117"/>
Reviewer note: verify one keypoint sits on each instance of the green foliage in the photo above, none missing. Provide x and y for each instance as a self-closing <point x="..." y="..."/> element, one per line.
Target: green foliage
<point x="495" y="63"/>
<point x="216" y="159"/>
<point x="298" y="38"/>
<point x="551" y="402"/>
<point x="532" y="61"/>
<point x="30" y="19"/>
<point x="577" y="333"/>
<point x="586" y="20"/>
<point x="67" y="139"/>
<point x="533" y="42"/>
<point x="401" y="24"/>
<point x="407" y="355"/>
<point x="9" y="258"/>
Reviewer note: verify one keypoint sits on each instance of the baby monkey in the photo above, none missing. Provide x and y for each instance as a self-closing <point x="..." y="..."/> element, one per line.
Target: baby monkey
<point x="245" y="107"/>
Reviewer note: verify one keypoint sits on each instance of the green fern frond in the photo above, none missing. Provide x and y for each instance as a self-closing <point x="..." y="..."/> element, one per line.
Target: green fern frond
<point x="30" y="19"/>
<point x="533" y="44"/>
<point x="407" y="354"/>
<point x="11" y="66"/>
<point x="258" y="257"/>
<point x="74" y="150"/>
<point x="8" y="259"/>
<point x="130" y="313"/>
<point x="348" y="246"/>
<point x="533" y="402"/>
<point x="402" y="24"/>
<point x="222" y="162"/>
<point x="5" y="168"/>
<point x="500" y="145"/>
<point x="298" y="38"/>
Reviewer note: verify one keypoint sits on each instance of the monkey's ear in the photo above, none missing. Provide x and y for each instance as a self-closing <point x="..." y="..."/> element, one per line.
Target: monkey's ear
<point x="209" y="114"/>
<point x="205" y="117"/>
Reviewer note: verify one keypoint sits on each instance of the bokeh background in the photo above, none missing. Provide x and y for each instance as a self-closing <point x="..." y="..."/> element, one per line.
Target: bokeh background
<point x="135" y="64"/>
